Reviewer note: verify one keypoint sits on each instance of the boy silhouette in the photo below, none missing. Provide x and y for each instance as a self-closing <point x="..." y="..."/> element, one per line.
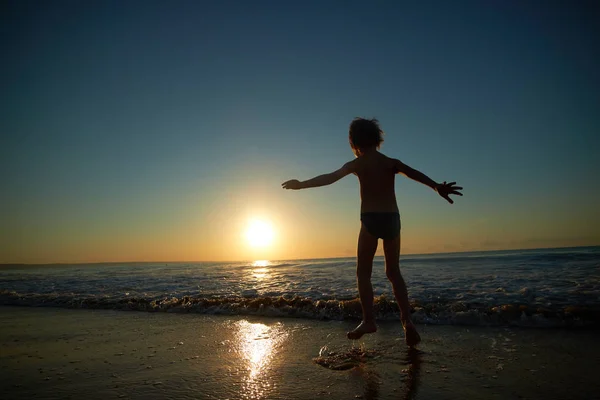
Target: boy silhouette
<point x="380" y="218"/>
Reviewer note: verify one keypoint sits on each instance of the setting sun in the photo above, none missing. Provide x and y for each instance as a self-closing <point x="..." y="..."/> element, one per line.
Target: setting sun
<point x="259" y="233"/>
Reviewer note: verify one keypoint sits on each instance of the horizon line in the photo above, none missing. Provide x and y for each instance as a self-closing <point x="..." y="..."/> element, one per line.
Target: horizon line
<point x="296" y="259"/>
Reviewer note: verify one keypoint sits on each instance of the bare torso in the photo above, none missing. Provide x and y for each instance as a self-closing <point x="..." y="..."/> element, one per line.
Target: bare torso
<point x="376" y="174"/>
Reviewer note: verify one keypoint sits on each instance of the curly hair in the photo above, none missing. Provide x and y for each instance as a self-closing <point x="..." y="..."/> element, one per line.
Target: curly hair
<point x="364" y="133"/>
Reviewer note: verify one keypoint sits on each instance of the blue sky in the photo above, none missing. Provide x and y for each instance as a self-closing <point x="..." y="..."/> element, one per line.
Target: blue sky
<point x="146" y="130"/>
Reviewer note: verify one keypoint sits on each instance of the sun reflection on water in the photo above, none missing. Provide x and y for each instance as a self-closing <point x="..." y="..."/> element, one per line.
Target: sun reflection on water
<point x="261" y="263"/>
<point x="260" y="270"/>
<point x="258" y="345"/>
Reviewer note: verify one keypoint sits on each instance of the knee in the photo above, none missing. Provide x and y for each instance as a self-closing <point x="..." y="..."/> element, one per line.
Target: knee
<point x="363" y="271"/>
<point x="393" y="274"/>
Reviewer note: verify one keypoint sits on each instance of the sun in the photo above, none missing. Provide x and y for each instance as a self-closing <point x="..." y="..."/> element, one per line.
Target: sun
<point x="259" y="233"/>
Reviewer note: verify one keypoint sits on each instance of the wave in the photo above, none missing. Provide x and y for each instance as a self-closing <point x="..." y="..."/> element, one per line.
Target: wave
<point x="509" y="256"/>
<point x="439" y="312"/>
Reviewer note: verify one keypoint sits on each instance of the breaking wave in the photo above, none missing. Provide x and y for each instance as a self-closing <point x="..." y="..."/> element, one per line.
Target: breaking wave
<point x="439" y="312"/>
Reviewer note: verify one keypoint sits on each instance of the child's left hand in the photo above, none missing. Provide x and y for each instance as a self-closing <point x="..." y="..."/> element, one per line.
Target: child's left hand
<point x="293" y="184"/>
<point x="446" y="189"/>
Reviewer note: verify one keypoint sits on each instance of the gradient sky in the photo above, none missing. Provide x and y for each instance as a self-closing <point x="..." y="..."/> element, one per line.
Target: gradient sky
<point x="153" y="130"/>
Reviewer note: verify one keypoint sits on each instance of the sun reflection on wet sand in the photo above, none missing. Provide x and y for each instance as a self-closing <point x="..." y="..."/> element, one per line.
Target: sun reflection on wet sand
<point x="258" y="345"/>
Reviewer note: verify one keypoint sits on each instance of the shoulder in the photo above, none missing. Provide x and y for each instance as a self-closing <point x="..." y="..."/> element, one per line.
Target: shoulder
<point x="399" y="166"/>
<point x="394" y="163"/>
<point x="351" y="166"/>
<point x="387" y="159"/>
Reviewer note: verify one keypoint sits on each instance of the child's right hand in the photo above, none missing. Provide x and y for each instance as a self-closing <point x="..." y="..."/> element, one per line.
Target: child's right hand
<point x="446" y="189"/>
<point x="293" y="184"/>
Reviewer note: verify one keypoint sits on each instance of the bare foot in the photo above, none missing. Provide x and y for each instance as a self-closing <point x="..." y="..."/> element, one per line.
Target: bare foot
<point x="411" y="336"/>
<point x="364" y="327"/>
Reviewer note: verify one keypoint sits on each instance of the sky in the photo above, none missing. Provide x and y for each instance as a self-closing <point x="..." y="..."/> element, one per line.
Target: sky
<point x="155" y="131"/>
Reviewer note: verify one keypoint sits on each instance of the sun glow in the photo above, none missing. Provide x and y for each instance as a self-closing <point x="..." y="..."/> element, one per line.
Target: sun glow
<point x="259" y="233"/>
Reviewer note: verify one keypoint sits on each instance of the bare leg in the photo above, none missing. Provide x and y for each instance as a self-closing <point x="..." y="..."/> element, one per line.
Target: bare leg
<point x="367" y="245"/>
<point x="391" y="249"/>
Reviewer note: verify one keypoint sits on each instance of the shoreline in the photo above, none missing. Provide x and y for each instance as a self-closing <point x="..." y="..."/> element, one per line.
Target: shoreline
<point x="452" y="314"/>
<point x="58" y="353"/>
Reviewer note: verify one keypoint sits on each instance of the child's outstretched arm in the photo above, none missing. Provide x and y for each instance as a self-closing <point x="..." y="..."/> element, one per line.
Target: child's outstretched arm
<point x="443" y="189"/>
<point x="321" y="180"/>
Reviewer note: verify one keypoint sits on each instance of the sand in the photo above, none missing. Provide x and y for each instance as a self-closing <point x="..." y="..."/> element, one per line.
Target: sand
<point x="51" y="353"/>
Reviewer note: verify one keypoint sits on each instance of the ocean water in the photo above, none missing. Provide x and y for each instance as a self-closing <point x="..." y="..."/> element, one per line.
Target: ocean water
<point x="538" y="288"/>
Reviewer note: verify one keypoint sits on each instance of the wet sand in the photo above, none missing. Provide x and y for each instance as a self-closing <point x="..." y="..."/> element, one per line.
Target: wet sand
<point x="51" y="353"/>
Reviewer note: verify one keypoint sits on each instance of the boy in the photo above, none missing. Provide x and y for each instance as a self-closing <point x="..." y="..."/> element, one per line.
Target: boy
<point x="380" y="218"/>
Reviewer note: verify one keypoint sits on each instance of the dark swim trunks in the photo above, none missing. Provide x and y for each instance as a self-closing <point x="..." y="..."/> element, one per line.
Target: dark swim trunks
<point x="383" y="225"/>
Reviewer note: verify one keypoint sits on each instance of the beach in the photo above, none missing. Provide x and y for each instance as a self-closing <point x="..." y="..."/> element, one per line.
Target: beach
<point x="204" y="199"/>
<point x="53" y="353"/>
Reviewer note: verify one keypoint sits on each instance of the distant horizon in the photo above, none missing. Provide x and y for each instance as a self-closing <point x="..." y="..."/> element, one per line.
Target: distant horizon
<point x="302" y="259"/>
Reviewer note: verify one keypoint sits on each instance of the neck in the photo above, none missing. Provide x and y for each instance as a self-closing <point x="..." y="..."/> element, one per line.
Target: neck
<point x="369" y="150"/>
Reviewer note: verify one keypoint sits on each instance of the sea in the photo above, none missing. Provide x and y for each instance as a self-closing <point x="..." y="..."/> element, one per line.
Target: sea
<point x="545" y="288"/>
